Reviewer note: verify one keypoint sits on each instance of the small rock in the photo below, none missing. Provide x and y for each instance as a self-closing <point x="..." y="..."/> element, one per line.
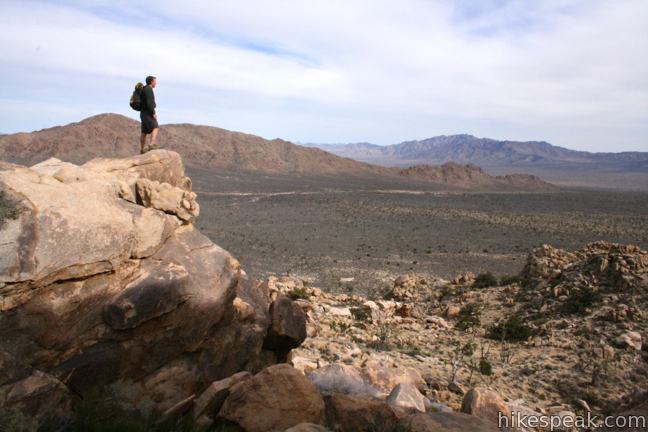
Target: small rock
<point x="171" y="415"/>
<point x="629" y="339"/>
<point x="456" y="388"/>
<point x="486" y="404"/>
<point x="211" y="400"/>
<point x="345" y="413"/>
<point x="452" y="311"/>
<point x="341" y="378"/>
<point x="287" y="328"/>
<point x="438" y="321"/>
<point x="583" y="404"/>
<point x="339" y="311"/>
<point x="406" y="396"/>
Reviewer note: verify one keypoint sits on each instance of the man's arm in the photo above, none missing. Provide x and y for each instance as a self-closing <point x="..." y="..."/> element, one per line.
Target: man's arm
<point x="153" y="103"/>
<point x="149" y="100"/>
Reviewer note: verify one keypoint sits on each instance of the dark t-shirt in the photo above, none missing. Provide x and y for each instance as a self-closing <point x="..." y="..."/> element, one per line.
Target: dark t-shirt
<point x="148" y="100"/>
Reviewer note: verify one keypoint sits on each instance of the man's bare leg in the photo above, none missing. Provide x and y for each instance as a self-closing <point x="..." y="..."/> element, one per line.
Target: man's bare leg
<point x="142" y="143"/>
<point x="154" y="136"/>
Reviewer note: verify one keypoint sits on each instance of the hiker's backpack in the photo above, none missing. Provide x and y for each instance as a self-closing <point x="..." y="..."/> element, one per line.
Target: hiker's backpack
<point x="136" y="98"/>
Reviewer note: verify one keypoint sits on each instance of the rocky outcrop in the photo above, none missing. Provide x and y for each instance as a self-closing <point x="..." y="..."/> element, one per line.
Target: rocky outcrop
<point x="406" y="396"/>
<point x="275" y="399"/>
<point x="472" y="176"/>
<point x="104" y="279"/>
<point x="287" y="326"/>
<point x="445" y="422"/>
<point x="346" y="413"/>
<point x="485" y="404"/>
<point x="618" y="266"/>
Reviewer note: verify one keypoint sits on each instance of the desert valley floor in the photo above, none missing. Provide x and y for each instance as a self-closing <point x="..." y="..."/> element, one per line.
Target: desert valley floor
<point x="329" y="230"/>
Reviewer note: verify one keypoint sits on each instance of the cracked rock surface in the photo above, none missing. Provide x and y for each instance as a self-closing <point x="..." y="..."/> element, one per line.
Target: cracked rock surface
<point x="104" y="279"/>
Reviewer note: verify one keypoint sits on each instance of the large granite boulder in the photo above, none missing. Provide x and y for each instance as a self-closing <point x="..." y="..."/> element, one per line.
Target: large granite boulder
<point x="287" y="326"/>
<point x="277" y="398"/>
<point x="445" y="422"/>
<point x="347" y="413"/>
<point x="485" y="404"/>
<point x="102" y="279"/>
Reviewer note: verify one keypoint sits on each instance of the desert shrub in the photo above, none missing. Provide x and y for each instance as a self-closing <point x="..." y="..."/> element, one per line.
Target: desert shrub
<point x="485" y="280"/>
<point x="299" y="293"/>
<point x="340" y="326"/>
<point x="446" y="292"/>
<point x="361" y="314"/>
<point x="485" y="367"/>
<point x="8" y="210"/>
<point x="409" y="348"/>
<point x="469" y="317"/>
<point x="509" y="279"/>
<point x="527" y="283"/>
<point x="581" y="299"/>
<point x="451" y="291"/>
<point x="384" y="335"/>
<point x="513" y="329"/>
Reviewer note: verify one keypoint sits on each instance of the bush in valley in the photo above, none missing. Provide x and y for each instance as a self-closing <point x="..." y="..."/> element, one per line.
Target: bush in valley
<point x="485" y="280"/>
<point x="509" y="280"/>
<point x="469" y="317"/>
<point x="579" y="300"/>
<point x="513" y="329"/>
<point x="299" y="293"/>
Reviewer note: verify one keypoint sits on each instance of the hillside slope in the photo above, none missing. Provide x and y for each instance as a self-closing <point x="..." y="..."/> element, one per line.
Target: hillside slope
<point x="113" y="135"/>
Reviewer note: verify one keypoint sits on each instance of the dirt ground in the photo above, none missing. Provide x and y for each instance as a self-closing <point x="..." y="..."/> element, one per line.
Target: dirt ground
<point x="326" y="229"/>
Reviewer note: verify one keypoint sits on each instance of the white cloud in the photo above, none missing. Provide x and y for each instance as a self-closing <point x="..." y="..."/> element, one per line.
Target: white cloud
<point x="572" y="72"/>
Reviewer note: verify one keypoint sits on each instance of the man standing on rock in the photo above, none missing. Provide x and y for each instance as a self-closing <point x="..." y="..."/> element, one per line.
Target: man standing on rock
<point x="148" y="115"/>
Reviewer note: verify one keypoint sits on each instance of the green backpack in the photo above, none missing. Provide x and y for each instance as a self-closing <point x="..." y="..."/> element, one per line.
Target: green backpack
<point x="136" y="98"/>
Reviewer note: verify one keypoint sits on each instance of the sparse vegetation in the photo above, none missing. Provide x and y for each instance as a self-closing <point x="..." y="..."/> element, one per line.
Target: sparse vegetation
<point x="485" y="280"/>
<point x="7" y="209"/>
<point x="340" y="326"/>
<point x="299" y="293"/>
<point x="450" y="291"/>
<point x="360" y="314"/>
<point x="469" y="317"/>
<point x="485" y="367"/>
<point x="581" y="299"/>
<point x="509" y="280"/>
<point x="383" y="341"/>
<point x="513" y="329"/>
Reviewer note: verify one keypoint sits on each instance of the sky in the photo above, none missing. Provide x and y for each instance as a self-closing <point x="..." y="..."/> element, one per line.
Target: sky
<point x="570" y="72"/>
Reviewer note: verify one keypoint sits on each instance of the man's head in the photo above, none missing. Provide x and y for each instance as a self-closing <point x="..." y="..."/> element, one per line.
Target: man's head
<point x="151" y="81"/>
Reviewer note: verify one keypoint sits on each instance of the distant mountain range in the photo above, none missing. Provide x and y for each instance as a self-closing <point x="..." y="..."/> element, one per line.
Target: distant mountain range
<point x="113" y="135"/>
<point x="481" y="151"/>
<point x="628" y="170"/>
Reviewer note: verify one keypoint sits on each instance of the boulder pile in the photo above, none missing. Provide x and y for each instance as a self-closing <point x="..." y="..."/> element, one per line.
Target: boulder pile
<point x="105" y="281"/>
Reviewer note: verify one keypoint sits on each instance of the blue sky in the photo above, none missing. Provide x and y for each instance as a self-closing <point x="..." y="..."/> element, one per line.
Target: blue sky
<point x="571" y="72"/>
